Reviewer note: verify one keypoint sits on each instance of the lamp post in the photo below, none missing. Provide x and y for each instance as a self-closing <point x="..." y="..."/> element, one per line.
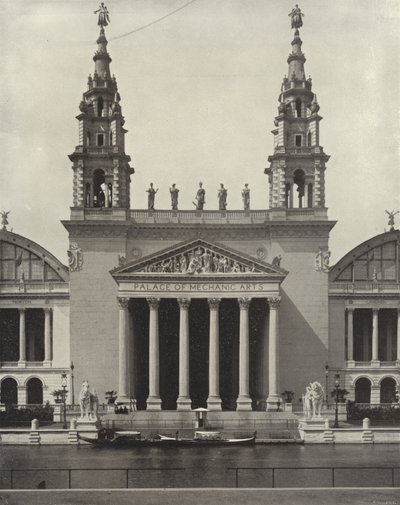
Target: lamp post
<point x="72" y="385"/>
<point x="326" y="384"/>
<point x="337" y="384"/>
<point x="64" y="397"/>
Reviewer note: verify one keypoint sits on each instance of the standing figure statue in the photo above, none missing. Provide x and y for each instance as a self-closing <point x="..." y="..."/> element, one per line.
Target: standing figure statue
<point x="222" y="195"/>
<point x="151" y="197"/>
<point x="4" y="220"/>
<point x="104" y="17"/>
<point x="246" y="197"/>
<point x="313" y="397"/>
<point x="174" y="197"/>
<point x="297" y="17"/>
<point x="200" y="197"/>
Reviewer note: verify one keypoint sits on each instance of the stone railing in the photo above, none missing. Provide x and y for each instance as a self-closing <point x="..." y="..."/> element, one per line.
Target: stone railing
<point x="33" y="287"/>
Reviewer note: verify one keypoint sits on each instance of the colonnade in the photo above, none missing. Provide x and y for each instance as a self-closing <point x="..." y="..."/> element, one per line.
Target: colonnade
<point x="22" y="336"/>
<point x="375" y="335"/>
<point x="214" y="399"/>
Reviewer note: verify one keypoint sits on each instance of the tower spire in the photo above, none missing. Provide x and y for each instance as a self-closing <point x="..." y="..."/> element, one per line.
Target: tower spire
<point x="297" y="167"/>
<point x="101" y="167"/>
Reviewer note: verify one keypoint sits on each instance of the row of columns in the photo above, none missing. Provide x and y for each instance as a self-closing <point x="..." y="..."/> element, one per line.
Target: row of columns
<point x="375" y="339"/>
<point x="22" y="336"/>
<point x="214" y="399"/>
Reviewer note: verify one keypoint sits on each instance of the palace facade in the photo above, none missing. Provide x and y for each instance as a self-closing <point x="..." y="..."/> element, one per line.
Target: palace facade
<point x="199" y="308"/>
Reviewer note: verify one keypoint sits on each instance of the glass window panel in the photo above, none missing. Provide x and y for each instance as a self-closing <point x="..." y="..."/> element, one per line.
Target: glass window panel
<point x="389" y="270"/>
<point x="376" y="253"/>
<point x="375" y="270"/>
<point x="8" y="251"/>
<point x="51" y="275"/>
<point x="36" y="270"/>
<point x="360" y="271"/>
<point x="23" y="268"/>
<point x="389" y="251"/>
<point x="346" y="274"/>
<point x="22" y="253"/>
<point x="363" y="257"/>
<point x="8" y="269"/>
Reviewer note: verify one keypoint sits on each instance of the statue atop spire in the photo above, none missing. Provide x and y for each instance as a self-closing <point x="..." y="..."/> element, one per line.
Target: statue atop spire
<point x="104" y="17"/>
<point x="297" y="17"/>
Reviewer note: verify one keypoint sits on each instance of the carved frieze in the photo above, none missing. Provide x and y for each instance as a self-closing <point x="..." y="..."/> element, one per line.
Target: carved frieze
<point x="322" y="261"/>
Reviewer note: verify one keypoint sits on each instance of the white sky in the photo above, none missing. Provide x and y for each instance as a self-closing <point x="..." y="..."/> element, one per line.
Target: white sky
<point x="199" y="94"/>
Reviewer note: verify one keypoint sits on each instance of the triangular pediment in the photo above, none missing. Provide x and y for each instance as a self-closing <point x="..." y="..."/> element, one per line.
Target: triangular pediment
<point x="197" y="258"/>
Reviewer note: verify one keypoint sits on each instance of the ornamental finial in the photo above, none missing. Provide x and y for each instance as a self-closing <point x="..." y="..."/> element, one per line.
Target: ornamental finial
<point x="297" y="17"/>
<point x="4" y="220"/>
<point x="391" y="218"/>
<point x="104" y="17"/>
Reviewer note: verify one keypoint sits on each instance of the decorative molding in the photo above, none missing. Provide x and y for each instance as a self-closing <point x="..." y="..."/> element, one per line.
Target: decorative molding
<point x="322" y="261"/>
<point x="153" y="303"/>
<point x="244" y="303"/>
<point x="274" y="302"/>
<point x="75" y="257"/>
<point x="123" y="302"/>
<point x="184" y="303"/>
<point x="213" y="303"/>
<point x="136" y="253"/>
<point x="261" y="253"/>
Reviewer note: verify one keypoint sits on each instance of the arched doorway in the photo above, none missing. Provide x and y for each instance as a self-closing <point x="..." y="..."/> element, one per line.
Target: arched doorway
<point x="363" y="390"/>
<point x="35" y="391"/>
<point x="9" y="391"/>
<point x="388" y="389"/>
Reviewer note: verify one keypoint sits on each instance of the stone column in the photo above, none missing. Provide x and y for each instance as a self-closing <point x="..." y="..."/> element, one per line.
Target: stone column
<point x="375" y="336"/>
<point x="273" y="360"/>
<point x="291" y="195"/>
<point x="184" y="402"/>
<point x="398" y="337"/>
<point x="214" y="400"/>
<point x="244" y="400"/>
<point x="47" y="337"/>
<point x="350" y="335"/>
<point x="22" y="338"/>
<point x="123" y="356"/>
<point x="154" y="400"/>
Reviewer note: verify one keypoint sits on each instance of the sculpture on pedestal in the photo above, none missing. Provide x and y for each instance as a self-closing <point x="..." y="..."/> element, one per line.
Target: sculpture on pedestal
<point x="174" y="197"/>
<point x="313" y="400"/>
<point x="222" y="196"/>
<point x="104" y="17"/>
<point x="88" y="402"/>
<point x="151" y="197"/>
<point x="297" y="17"/>
<point x="246" y="197"/>
<point x="4" y="220"/>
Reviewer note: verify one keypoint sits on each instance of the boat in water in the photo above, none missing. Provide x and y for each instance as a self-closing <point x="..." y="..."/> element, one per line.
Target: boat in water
<point x="112" y="438"/>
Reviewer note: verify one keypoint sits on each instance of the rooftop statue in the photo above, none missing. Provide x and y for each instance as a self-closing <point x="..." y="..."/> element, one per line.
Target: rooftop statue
<point x="4" y="220"/>
<point x="104" y="17"/>
<point x="297" y="17"/>
<point x="151" y="196"/>
<point x="200" y="197"/>
<point x="222" y="196"/>
<point x="246" y="197"/>
<point x="174" y="196"/>
<point x="391" y="218"/>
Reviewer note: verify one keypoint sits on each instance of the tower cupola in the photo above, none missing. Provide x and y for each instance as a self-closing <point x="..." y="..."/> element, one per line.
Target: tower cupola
<point x="296" y="174"/>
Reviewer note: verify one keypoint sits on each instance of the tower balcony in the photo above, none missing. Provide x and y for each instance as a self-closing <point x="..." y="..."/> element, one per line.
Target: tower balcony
<point x="303" y="150"/>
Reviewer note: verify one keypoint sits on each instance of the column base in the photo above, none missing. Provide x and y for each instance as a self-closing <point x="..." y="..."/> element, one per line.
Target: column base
<point x="184" y="403"/>
<point x="153" y="403"/>
<point x="21" y="364"/>
<point x="243" y="403"/>
<point x="375" y="363"/>
<point x="351" y="363"/>
<point x="122" y="400"/>
<point x="274" y="403"/>
<point x="47" y="364"/>
<point x="214" y="403"/>
<point x="398" y="362"/>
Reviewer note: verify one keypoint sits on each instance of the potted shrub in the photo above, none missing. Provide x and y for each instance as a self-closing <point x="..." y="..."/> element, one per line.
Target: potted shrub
<point x="288" y="396"/>
<point x="58" y="395"/>
<point x="342" y="393"/>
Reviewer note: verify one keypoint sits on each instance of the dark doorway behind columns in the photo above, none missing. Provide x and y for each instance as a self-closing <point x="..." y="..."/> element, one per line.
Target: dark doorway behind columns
<point x="363" y="390"/>
<point x="9" y="335"/>
<point x="139" y="310"/>
<point x="199" y="324"/>
<point x="229" y="353"/>
<point x="168" y="314"/>
<point x="34" y="329"/>
<point x="258" y="312"/>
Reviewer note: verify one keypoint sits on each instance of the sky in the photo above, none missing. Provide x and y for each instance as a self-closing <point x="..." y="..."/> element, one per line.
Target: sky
<point x="199" y="94"/>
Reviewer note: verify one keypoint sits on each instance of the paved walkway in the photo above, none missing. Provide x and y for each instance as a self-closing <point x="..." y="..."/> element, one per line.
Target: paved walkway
<point x="342" y="496"/>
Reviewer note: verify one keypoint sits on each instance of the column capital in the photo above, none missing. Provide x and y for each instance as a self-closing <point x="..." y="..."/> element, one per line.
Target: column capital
<point x="213" y="303"/>
<point x="123" y="302"/>
<point x="350" y="309"/>
<point x="21" y="309"/>
<point x="375" y="310"/>
<point x="47" y="310"/>
<point x="184" y="303"/>
<point x="274" y="302"/>
<point x="244" y="303"/>
<point x="153" y="303"/>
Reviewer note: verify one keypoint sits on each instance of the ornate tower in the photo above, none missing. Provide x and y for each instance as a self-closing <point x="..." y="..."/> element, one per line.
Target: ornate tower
<point x="297" y="168"/>
<point x="101" y="167"/>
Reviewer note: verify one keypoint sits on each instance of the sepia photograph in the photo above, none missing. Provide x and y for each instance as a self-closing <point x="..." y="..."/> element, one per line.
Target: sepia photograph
<point x="200" y="252"/>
